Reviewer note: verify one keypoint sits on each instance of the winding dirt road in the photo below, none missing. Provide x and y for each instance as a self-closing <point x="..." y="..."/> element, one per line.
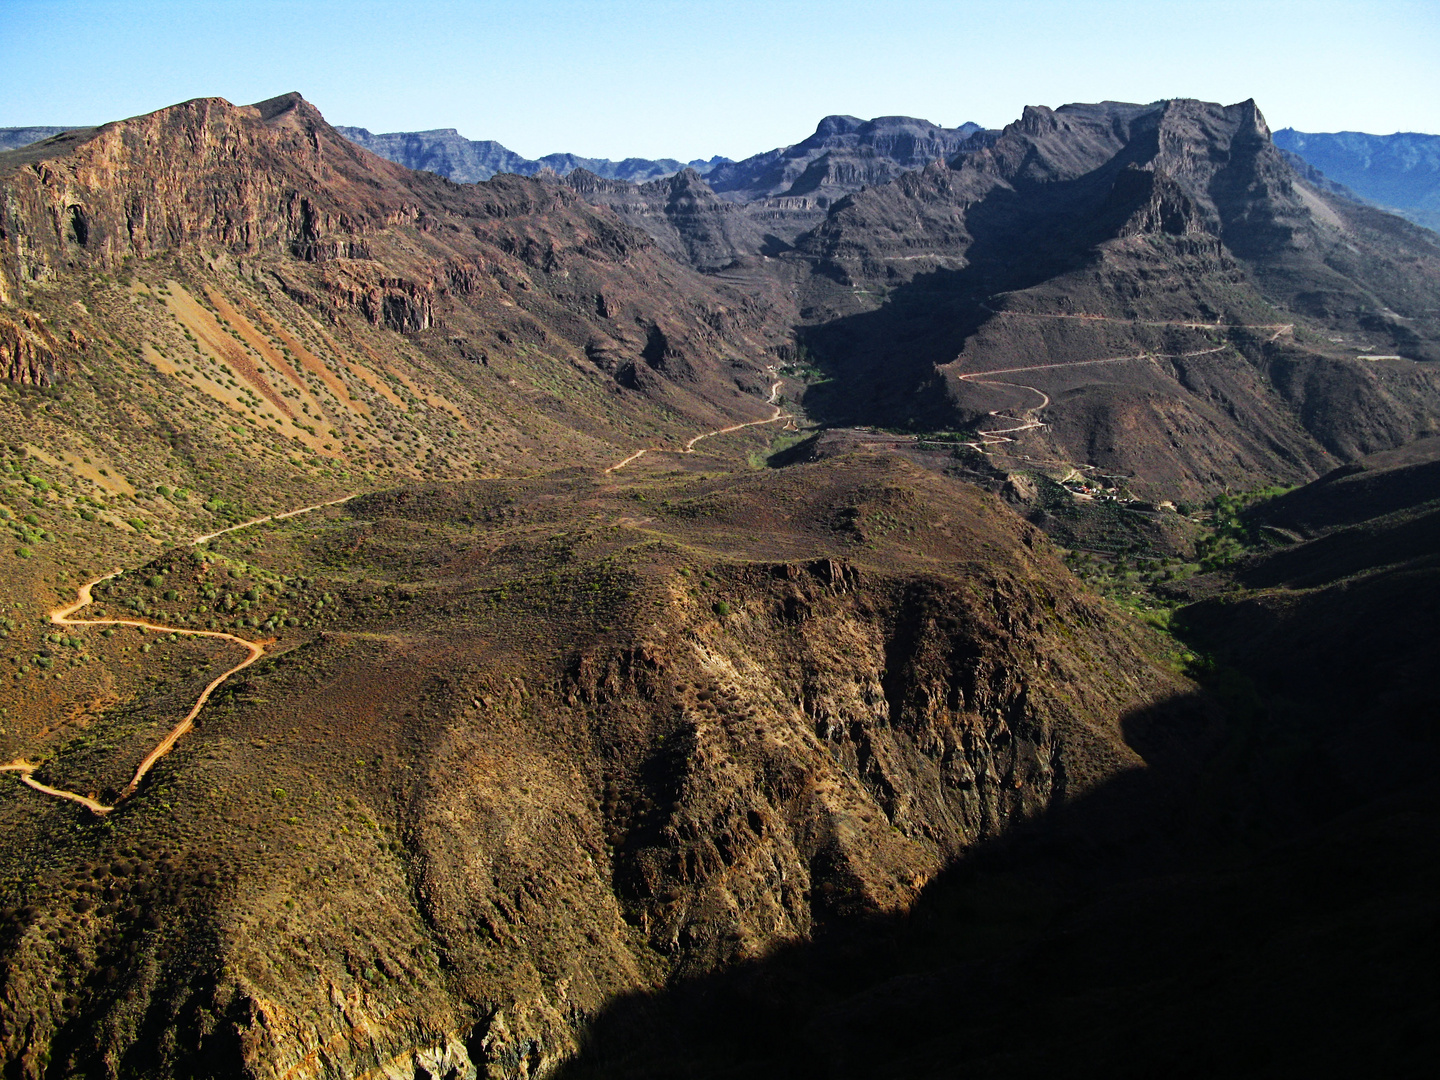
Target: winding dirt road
<point x="689" y="447"/>
<point x="1030" y="420"/>
<point x="1279" y="328"/>
<point x="61" y="616"/>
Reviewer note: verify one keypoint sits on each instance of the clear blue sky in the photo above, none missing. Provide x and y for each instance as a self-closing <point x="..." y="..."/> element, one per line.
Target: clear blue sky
<point x="688" y="79"/>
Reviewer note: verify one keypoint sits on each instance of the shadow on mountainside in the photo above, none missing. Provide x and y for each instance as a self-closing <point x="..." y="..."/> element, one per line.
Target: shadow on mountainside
<point x="1163" y="924"/>
<point x="882" y="362"/>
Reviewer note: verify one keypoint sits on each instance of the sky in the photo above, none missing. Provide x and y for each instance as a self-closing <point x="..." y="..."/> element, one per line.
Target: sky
<point x="671" y="78"/>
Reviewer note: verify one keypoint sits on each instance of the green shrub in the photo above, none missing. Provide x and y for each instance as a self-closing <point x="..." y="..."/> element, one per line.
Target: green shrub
<point x="722" y="608"/>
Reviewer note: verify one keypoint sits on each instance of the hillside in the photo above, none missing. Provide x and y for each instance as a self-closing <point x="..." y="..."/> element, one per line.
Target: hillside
<point x="559" y="626"/>
<point x="1400" y="172"/>
<point x="1149" y="291"/>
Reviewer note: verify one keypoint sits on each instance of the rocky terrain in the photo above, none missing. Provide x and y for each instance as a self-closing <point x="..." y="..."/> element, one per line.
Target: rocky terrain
<point x="669" y="667"/>
<point x="1400" y="172"/>
<point x="1129" y="287"/>
<point x="1284" y="899"/>
<point x="710" y="213"/>
<point x="466" y="161"/>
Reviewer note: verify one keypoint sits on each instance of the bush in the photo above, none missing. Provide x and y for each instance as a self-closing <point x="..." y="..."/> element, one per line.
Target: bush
<point x="722" y="608"/>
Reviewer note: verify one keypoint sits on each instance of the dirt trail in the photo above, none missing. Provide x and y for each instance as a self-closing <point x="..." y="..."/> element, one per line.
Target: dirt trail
<point x="690" y="445"/>
<point x="1030" y="420"/>
<point x="1279" y="328"/>
<point x="61" y="616"/>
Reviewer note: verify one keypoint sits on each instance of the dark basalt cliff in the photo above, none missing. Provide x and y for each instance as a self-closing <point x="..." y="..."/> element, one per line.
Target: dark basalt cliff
<point x="1130" y="271"/>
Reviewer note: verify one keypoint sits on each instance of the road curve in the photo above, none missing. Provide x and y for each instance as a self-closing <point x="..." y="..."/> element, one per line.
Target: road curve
<point x="995" y="436"/>
<point x="689" y="447"/>
<point x="61" y="616"/>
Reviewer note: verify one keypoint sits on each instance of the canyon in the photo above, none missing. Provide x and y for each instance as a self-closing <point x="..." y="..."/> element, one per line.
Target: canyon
<point x="739" y="623"/>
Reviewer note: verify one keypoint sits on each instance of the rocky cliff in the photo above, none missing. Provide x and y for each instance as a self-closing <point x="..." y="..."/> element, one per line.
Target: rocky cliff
<point x="1039" y="258"/>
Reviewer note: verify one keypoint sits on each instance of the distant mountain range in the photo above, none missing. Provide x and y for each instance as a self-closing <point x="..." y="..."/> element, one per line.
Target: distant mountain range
<point x="14" y="138"/>
<point x="1399" y="172"/>
<point x="466" y="161"/>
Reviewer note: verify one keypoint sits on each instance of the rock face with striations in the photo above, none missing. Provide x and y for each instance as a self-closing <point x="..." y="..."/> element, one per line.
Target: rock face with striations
<point x="848" y="153"/>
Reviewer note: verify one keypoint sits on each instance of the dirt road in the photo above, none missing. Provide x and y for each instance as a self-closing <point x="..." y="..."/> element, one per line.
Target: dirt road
<point x="689" y="447"/>
<point x="62" y="616"/>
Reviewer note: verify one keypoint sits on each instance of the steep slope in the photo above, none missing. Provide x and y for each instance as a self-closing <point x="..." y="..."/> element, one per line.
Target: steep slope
<point x="844" y="154"/>
<point x="1399" y="172"/>
<point x="541" y="742"/>
<point x="1280" y="920"/>
<point x="684" y="216"/>
<point x="238" y="305"/>
<point x="1146" y="290"/>
<point x="728" y="212"/>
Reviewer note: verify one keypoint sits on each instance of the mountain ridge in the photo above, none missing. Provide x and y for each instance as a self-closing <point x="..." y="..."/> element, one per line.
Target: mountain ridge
<point x="1399" y="172"/>
<point x="572" y="695"/>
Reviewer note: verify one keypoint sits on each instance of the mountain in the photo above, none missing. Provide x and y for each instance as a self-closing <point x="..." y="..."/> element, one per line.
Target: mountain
<point x="14" y="138"/>
<point x="1399" y="172"/>
<point x="446" y="152"/>
<point x="787" y="190"/>
<point x="844" y="154"/>
<point x="1151" y="290"/>
<point x="553" y="624"/>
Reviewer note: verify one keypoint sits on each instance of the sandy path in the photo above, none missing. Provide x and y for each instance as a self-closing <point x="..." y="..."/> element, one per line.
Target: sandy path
<point x="689" y="447"/>
<point x="61" y="616"/>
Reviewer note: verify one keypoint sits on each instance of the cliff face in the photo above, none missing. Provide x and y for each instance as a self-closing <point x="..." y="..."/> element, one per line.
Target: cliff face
<point x="260" y="179"/>
<point x="1125" y="271"/>
<point x="545" y="755"/>
<point x="683" y="215"/>
<point x="856" y="152"/>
